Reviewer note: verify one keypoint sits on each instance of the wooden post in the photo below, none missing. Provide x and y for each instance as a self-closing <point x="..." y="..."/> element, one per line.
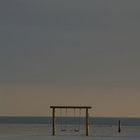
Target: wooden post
<point x="87" y="125"/>
<point x="119" y="126"/>
<point x="53" y="121"/>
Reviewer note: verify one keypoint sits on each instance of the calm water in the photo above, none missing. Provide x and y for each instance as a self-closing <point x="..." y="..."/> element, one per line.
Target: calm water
<point x="70" y="120"/>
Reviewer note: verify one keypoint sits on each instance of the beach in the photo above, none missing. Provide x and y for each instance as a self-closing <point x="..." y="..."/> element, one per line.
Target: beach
<point x="43" y="132"/>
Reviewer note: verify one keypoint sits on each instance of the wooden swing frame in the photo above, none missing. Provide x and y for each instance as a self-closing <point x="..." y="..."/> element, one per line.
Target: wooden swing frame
<point x="86" y="108"/>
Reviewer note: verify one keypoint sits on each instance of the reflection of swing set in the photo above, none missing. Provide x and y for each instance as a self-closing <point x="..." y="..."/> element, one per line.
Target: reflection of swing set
<point x="76" y="118"/>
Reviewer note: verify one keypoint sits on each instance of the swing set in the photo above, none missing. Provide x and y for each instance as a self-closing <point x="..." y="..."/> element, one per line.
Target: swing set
<point x="76" y="117"/>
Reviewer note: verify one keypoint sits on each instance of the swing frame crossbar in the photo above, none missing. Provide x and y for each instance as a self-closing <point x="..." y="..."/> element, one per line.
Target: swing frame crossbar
<point x="71" y="107"/>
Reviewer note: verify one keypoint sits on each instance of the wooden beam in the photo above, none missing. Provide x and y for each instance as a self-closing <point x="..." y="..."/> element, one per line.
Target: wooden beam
<point x="72" y="107"/>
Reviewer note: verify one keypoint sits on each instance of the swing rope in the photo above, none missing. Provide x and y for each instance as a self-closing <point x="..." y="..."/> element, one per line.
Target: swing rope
<point x="65" y="121"/>
<point x="78" y="128"/>
<point x="79" y="119"/>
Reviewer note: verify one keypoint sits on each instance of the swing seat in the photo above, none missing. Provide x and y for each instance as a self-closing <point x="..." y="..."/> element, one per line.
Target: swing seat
<point x="63" y="130"/>
<point x="76" y="130"/>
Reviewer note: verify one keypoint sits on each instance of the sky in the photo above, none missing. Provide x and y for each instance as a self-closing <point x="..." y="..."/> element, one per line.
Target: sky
<point x="70" y="52"/>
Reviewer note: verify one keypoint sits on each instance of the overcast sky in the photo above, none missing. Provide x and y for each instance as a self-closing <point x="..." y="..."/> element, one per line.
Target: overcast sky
<point x="70" y="48"/>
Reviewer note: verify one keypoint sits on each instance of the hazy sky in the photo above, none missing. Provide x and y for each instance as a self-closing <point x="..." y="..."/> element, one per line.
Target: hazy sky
<point x="70" y="52"/>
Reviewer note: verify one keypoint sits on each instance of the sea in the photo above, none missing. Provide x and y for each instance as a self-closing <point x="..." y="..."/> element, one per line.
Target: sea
<point x="69" y="128"/>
